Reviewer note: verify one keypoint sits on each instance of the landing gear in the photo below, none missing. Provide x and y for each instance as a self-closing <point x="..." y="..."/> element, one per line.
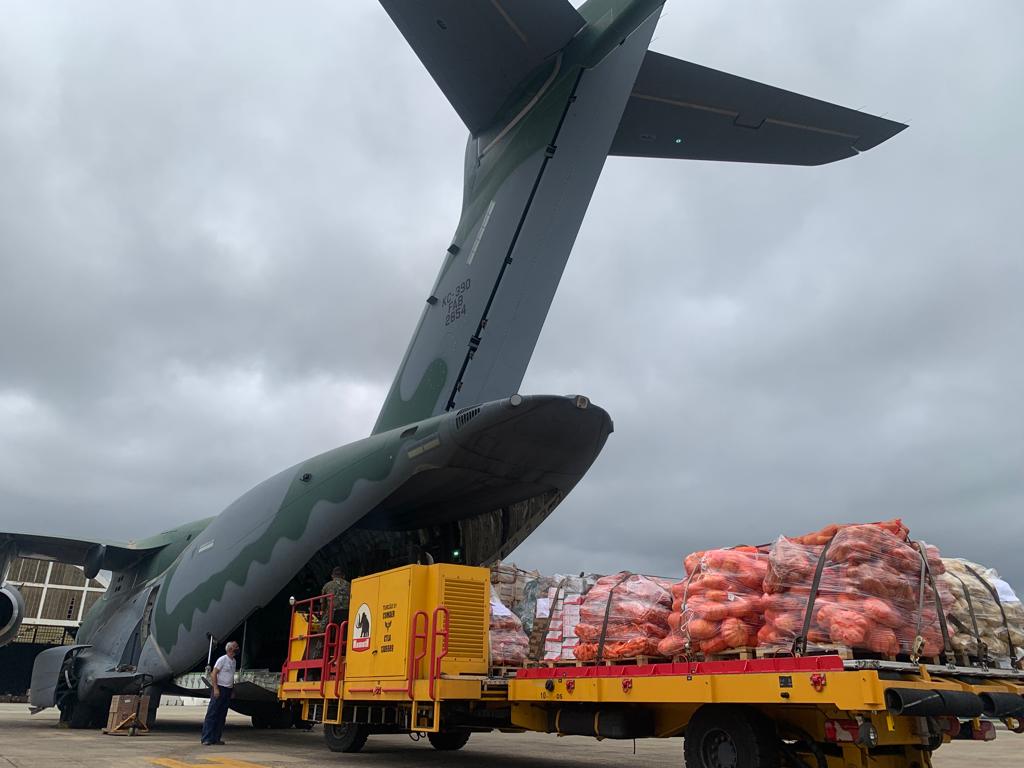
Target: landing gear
<point x="76" y="714"/>
<point x="347" y="737"/>
<point x="725" y="736"/>
<point x="448" y="741"/>
<point x="277" y="717"/>
<point x="154" y="705"/>
<point x="272" y="717"/>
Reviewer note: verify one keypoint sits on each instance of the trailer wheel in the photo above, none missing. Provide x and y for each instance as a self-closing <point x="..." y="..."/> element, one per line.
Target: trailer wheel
<point x="347" y="737"/>
<point x="724" y="736"/>
<point x="448" y="741"/>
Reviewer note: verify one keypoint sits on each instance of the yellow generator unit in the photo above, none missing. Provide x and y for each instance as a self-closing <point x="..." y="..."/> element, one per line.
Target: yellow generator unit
<point x="414" y="636"/>
<point x="403" y="620"/>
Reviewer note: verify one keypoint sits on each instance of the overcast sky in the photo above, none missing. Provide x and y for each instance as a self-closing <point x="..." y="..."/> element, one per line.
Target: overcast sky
<point x="218" y="222"/>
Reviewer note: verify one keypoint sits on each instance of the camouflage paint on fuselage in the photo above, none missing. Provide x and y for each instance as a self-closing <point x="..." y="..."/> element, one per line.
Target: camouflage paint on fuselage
<point x="275" y="516"/>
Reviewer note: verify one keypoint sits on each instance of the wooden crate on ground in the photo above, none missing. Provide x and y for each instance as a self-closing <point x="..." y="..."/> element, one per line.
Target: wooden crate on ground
<point x="128" y="715"/>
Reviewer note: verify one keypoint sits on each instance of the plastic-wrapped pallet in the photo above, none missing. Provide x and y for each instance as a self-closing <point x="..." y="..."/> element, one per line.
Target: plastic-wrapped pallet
<point x="717" y="605"/>
<point x="527" y="607"/>
<point x="868" y="596"/>
<point x="511" y="581"/>
<point x="565" y="598"/>
<point x="623" y="616"/>
<point x="987" y="613"/>
<point x="571" y="607"/>
<point x="509" y="644"/>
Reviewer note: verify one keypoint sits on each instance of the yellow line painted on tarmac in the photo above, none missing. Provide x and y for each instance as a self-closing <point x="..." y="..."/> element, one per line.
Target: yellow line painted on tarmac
<point x="208" y="762"/>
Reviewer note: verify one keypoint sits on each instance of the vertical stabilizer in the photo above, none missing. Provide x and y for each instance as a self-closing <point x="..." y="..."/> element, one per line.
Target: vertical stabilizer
<point x="529" y="180"/>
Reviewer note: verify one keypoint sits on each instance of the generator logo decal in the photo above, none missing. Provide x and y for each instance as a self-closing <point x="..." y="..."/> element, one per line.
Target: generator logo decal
<point x="361" y="629"/>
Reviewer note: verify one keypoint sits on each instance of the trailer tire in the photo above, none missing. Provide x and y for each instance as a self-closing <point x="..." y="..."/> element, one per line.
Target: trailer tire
<point x="347" y="737"/>
<point x="448" y="741"/>
<point x="727" y="736"/>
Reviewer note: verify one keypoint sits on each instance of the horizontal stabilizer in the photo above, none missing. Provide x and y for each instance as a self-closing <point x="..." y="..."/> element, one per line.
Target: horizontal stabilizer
<point x="478" y="52"/>
<point x="93" y="555"/>
<point x="686" y="111"/>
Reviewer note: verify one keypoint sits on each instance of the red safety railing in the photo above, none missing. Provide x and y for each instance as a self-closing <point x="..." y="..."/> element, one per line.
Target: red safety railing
<point x="435" y="657"/>
<point x="334" y="657"/>
<point x="416" y="657"/>
<point x="327" y="656"/>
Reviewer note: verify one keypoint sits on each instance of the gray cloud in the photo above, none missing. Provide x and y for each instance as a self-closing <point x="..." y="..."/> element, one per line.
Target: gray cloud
<point x="218" y="223"/>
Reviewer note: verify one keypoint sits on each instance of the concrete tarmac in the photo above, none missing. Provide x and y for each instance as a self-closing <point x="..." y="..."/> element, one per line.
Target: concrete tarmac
<point x="35" y="742"/>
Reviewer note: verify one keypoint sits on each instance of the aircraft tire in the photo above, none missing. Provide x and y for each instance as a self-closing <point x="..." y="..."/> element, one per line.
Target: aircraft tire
<point x="448" y="741"/>
<point x="79" y="716"/>
<point x="347" y="737"/>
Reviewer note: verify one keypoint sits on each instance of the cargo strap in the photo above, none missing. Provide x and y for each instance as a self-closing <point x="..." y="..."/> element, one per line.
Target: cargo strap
<point x="607" y="614"/>
<point x="915" y="652"/>
<point x="682" y="611"/>
<point x="800" y="642"/>
<point x="926" y="573"/>
<point x="1006" y="625"/>
<point x="541" y="624"/>
<point x="982" y="648"/>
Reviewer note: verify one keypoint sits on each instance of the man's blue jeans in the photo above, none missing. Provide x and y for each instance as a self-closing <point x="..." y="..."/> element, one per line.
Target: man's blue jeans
<point x="216" y="714"/>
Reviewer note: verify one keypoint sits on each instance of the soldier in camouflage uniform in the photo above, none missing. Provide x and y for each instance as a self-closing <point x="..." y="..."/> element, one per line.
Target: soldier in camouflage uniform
<point x="340" y="588"/>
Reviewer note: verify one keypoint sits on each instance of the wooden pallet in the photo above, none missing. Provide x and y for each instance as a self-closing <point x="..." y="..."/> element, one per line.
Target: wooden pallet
<point x="637" y="661"/>
<point x="503" y="671"/>
<point x="732" y="654"/>
<point x="818" y="649"/>
<point x="559" y="663"/>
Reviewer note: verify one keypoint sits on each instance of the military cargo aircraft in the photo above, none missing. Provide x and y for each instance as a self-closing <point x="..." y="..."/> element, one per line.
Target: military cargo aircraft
<point x="459" y="466"/>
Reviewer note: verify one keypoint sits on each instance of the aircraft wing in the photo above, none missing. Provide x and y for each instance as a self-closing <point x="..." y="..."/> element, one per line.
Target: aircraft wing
<point x="686" y="111"/>
<point x="93" y="554"/>
<point x="479" y="51"/>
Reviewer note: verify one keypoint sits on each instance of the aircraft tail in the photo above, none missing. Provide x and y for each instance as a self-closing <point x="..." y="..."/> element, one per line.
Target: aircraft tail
<point x="547" y="93"/>
<point x="530" y="173"/>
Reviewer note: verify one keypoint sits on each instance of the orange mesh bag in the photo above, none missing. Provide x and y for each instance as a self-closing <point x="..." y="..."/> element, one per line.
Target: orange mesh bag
<point x="631" y="611"/>
<point x="824" y="536"/>
<point x="869" y="595"/>
<point x="718" y="605"/>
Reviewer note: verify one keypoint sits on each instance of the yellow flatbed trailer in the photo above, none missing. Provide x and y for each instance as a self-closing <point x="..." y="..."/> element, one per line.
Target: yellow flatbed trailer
<point x="413" y="657"/>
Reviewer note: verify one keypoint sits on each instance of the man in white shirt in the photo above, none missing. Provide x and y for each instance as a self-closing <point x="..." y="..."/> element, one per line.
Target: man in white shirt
<point x="222" y="681"/>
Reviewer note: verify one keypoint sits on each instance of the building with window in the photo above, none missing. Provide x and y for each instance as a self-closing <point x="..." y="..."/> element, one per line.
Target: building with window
<point x="57" y="596"/>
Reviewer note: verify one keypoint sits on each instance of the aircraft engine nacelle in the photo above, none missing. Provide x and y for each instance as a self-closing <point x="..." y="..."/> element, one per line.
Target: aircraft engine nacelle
<point x="12" y="612"/>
